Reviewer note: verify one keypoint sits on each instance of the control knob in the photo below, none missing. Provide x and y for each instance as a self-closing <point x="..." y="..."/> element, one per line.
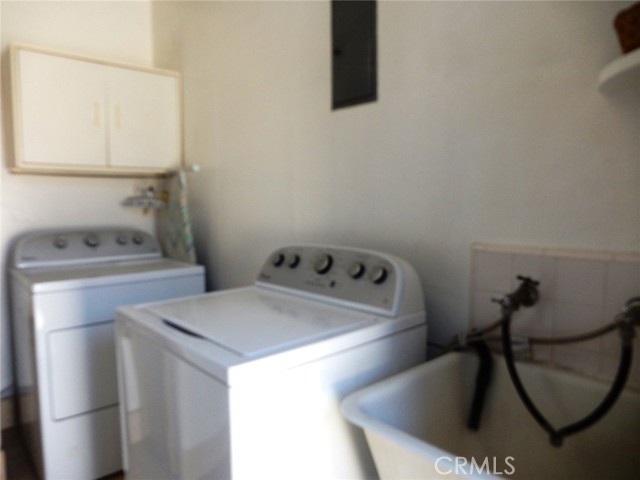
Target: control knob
<point x="356" y="270"/>
<point x="294" y="261"/>
<point x="60" y="242"/>
<point x="91" y="240"/>
<point x="324" y="263"/>
<point x="121" y="239"/>
<point x="277" y="260"/>
<point x="137" y="238"/>
<point x="378" y="275"/>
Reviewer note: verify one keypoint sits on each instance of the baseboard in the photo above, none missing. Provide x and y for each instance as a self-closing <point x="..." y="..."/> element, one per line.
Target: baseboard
<point x="8" y="415"/>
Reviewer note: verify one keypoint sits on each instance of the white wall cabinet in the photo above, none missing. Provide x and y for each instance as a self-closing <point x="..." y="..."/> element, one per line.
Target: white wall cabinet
<point x="77" y="115"/>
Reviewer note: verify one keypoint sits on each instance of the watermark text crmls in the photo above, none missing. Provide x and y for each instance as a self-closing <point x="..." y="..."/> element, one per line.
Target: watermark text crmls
<point x="464" y="466"/>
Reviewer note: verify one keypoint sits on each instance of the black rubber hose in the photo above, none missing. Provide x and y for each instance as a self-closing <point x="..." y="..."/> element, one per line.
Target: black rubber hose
<point x="483" y="379"/>
<point x="515" y="378"/>
<point x="626" y="356"/>
<point x="557" y="436"/>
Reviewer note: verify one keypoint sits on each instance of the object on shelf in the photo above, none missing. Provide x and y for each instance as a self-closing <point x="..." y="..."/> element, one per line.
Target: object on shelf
<point x="146" y="200"/>
<point x="627" y="25"/>
<point x="621" y="74"/>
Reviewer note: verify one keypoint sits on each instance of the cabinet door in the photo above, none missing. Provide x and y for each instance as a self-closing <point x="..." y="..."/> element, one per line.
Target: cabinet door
<point x="60" y="111"/>
<point x="143" y="119"/>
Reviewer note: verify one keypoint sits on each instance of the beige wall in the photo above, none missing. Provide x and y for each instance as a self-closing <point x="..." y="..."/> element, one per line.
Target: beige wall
<point x="114" y="30"/>
<point x="2" y="334"/>
<point x="489" y="127"/>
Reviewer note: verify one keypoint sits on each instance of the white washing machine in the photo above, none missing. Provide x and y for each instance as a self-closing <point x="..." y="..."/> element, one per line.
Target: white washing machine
<point x="65" y="287"/>
<point x="246" y="383"/>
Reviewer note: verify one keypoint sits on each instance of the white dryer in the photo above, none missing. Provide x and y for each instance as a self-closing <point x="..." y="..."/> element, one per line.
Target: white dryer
<point x="66" y="285"/>
<point x="246" y="383"/>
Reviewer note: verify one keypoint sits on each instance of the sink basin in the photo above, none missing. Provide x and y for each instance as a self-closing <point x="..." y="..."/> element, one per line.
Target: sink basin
<point x="416" y="424"/>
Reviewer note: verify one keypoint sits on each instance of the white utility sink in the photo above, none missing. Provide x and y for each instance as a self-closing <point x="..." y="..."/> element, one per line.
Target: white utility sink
<point x="416" y="424"/>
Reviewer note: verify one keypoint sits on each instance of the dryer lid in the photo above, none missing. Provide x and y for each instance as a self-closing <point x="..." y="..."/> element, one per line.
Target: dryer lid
<point x="251" y="322"/>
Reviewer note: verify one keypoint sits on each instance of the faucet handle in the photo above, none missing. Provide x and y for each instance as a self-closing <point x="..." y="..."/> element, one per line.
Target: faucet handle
<point x="528" y="294"/>
<point x="528" y="280"/>
<point x="631" y="310"/>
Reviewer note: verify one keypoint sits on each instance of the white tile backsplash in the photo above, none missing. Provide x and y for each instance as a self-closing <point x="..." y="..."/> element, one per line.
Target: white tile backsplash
<point x="536" y="321"/>
<point x="483" y="310"/>
<point x="621" y="282"/>
<point x="493" y="270"/>
<point x="574" y="318"/>
<point x="579" y="290"/>
<point x="580" y="280"/>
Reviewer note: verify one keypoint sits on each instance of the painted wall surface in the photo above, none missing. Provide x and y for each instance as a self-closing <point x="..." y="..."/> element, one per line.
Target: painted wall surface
<point x="489" y="127"/>
<point x="2" y="341"/>
<point x="120" y="31"/>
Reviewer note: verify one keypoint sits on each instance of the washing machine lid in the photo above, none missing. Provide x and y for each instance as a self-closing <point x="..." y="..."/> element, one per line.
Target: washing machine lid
<point x="253" y="322"/>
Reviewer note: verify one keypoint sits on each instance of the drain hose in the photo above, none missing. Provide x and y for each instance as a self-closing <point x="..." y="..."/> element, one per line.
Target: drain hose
<point x="557" y="436"/>
<point x="483" y="378"/>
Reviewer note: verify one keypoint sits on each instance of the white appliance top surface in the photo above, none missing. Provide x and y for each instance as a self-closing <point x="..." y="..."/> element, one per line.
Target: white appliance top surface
<point x="252" y="322"/>
<point x="76" y="276"/>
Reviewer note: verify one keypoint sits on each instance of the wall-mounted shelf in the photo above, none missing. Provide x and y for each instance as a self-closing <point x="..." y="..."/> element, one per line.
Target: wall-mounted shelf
<point x="622" y="73"/>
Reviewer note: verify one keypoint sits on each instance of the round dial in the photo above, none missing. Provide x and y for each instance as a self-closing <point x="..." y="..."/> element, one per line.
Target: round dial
<point x="294" y="261"/>
<point x="324" y="263"/>
<point x="277" y="260"/>
<point x="356" y="270"/>
<point x="121" y="239"/>
<point x="60" y="242"/>
<point x="137" y="238"/>
<point x="91" y="240"/>
<point x="378" y="275"/>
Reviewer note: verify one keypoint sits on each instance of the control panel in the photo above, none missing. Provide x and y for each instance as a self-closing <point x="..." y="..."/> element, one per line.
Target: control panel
<point x="364" y="278"/>
<point x="70" y="247"/>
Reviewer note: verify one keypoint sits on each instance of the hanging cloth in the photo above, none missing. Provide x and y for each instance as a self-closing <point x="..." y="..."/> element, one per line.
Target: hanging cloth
<point x="173" y="222"/>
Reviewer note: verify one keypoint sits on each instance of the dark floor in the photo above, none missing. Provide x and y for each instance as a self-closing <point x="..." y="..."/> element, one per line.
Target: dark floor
<point x="17" y="460"/>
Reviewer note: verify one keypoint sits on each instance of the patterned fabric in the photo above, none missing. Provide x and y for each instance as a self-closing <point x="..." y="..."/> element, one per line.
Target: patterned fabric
<point x="174" y="225"/>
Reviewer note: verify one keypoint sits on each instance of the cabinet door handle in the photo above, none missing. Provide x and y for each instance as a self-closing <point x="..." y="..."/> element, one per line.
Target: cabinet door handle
<point x="96" y="114"/>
